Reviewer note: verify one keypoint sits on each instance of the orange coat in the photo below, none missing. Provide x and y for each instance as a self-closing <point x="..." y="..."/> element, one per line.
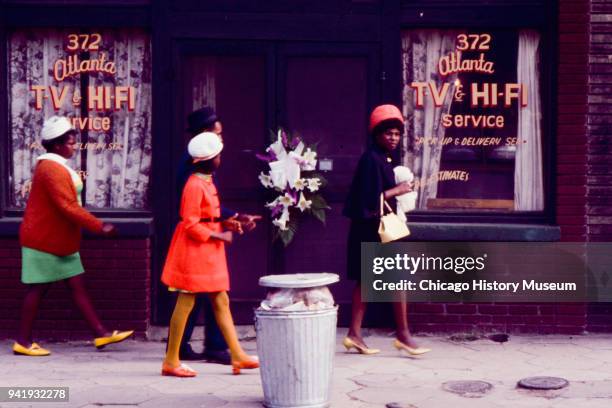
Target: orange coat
<point x="196" y="262"/>
<point x="53" y="217"/>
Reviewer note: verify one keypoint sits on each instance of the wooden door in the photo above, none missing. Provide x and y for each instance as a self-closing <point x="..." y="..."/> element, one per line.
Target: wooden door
<point x="326" y="94"/>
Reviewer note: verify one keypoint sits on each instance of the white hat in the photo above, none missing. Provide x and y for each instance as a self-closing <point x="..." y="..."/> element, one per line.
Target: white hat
<point x="54" y="127"/>
<point x="205" y="146"/>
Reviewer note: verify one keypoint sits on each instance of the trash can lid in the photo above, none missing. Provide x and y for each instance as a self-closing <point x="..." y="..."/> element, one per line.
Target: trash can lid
<point x="299" y="280"/>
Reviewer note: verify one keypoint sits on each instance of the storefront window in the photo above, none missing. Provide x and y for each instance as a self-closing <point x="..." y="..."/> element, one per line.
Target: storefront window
<point x="473" y="103"/>
<point x="101" y="80"/>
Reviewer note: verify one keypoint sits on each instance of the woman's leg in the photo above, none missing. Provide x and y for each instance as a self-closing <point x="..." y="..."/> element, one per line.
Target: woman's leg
<point x="191" y="324"/>
<point x="83" y="303"/>
<point x="223" y="315"/>
<point x="358" y="308"/>
<point x="31" y="302"/>
<point x="184" y="304"/>
<point x="400" y="309"/>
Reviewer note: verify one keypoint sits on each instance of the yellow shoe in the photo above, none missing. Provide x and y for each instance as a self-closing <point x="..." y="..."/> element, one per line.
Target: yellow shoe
<point x="410" y="350"/>
<point x="116" y="337"/>
<point x="34" y="350"/>
<point x="349" y="344"/>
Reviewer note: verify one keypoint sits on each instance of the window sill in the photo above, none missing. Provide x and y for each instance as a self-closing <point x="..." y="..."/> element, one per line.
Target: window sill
<point x="422" y="231"/>
<point x="128" y="227"/>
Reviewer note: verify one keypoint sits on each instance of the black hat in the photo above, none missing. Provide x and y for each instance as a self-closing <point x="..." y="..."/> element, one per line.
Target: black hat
<point x="201" y="119"/>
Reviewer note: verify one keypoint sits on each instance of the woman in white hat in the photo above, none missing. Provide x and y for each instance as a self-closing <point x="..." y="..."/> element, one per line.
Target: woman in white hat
<point x="196" y="260"/>
<point x="50" y="237"/>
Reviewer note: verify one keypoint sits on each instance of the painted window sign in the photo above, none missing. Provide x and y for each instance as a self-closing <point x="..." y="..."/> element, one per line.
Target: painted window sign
<point x="101" y="81"/>
<point x="473" y="135"/>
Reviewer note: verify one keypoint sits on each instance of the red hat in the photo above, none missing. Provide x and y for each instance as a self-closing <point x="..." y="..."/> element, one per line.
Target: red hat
<point x="382" y="113"/>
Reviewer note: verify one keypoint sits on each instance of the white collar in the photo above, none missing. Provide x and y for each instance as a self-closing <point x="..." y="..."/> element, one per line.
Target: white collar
<point x="61" y="160"/>
<point x="53" y="157"/>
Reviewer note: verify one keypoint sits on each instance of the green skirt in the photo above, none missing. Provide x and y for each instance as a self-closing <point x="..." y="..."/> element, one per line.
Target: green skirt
<point x="42" y="267"/>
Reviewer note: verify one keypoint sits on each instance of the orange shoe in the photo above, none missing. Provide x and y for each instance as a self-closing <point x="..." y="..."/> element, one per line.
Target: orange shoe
<point x="250" y="363"/>
<point x="182" y="370"/>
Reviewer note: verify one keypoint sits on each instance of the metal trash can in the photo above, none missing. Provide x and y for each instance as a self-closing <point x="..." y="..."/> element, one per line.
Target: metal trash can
<point x="296" y="347"/>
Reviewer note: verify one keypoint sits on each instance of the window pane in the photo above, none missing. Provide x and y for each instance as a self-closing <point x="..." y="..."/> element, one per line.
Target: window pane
<point x="100" y="79"/>
<point x="473" y="133"/>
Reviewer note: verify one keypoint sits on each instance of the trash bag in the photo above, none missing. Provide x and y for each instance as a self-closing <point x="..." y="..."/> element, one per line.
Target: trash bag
<point x="318" y="298"/>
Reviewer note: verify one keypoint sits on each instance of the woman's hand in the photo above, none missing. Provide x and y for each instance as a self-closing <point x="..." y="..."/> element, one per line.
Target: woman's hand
<point x="225" y="236"/>
<point x="109" y="230"/>
<point x="404" y="188"/>
<point x="401" y="188"/>
<point x="231" y="224"/>
<point x="249" y="222"/>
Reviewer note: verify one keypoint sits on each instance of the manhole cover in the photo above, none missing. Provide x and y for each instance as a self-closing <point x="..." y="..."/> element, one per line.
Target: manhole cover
<point x="499" y="337"/>
<point x="461" y="337"/>
<point x="399" y="405"/>
<point x="468" y="388"/>
<point x="543" y="383"/>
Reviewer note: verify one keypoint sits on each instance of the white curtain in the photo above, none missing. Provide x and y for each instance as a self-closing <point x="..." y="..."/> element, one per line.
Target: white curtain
<point x="421" y="51"/>
<point x="119" y="160"/>
<point x="528" y="177"/>
<point x="32" y="54"/>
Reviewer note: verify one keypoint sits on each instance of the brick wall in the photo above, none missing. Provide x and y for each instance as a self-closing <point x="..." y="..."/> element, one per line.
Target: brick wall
<point x="498" y="318"/>
<point x="599" y="145"/>
<point x="117" y="275"/>
<point x="571" y="155"/>
<point x="571" y="129"/>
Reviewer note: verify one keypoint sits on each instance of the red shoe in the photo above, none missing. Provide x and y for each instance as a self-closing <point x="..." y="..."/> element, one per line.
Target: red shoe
<point x="182" y="370"/>
<point x="252" y="362"/>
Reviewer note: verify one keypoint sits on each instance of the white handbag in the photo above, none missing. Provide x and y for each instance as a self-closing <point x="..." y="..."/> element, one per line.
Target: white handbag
<point x="391" y="227"/>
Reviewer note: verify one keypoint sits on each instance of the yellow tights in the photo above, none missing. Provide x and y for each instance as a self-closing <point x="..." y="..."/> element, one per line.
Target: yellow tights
<point x="184" y="304"/>
<point x="223" y="316"/>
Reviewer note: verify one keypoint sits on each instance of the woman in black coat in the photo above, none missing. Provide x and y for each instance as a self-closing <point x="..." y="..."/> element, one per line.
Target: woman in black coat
<point x="373" y="177"/>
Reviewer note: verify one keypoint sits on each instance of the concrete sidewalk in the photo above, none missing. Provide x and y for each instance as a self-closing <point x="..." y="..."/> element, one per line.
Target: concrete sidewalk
<point x="127" y="375"/>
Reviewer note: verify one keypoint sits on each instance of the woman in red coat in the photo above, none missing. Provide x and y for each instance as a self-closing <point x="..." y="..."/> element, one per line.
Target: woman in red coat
<point x="50" y="237"/>
<point x="196" y="260"/>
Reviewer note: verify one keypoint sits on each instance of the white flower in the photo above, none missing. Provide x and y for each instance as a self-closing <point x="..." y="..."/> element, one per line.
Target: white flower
<point x="310" y="155"/>
<point x="303" y="204"/>
<point x="273" y="203"/>
<point x="281" y="222"/>
<point x="265" y="180"/>
<point x="313" y="184"/>
<point x="309" y="160"/>
<point x="300" y="184"/>
<point x="286" y="200"/>
<point x="286" y="170"/>
<point x="278" y="148"/>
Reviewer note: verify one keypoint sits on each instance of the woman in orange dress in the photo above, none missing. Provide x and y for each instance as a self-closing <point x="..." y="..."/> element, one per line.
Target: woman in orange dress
<point x="196" y="260"/>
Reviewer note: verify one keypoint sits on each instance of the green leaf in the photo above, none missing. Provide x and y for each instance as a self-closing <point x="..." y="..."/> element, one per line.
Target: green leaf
<point x="319" y="214"/>
<point x="318" y="202"/>
<point x="286" y="236"/>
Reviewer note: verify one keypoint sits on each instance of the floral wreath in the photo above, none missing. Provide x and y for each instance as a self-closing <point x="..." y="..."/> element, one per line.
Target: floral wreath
<point x="294" y="180"/>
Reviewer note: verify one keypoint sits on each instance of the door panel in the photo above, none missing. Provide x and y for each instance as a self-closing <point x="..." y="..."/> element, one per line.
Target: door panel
<point x="326" y="101"/>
